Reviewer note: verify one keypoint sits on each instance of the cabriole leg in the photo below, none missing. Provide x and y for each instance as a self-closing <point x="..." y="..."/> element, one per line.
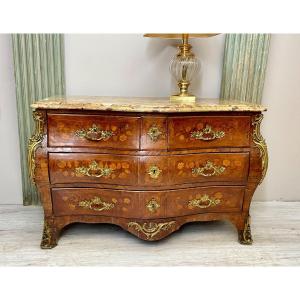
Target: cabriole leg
<point x="50" y="235"/>
<point x="245" y="237"/>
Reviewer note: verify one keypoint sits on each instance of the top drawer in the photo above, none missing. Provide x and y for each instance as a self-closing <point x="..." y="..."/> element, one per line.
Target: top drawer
<point x="207" y="132"/>
<point x="95" y="131"/>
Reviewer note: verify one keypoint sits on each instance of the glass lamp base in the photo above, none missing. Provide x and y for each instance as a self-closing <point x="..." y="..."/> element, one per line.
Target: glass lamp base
<point x="187" y="98"/>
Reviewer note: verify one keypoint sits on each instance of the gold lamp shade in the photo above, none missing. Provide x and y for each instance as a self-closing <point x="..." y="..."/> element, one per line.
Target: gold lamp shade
<point x="184" y="65"/>
<point x="179" y="35"/>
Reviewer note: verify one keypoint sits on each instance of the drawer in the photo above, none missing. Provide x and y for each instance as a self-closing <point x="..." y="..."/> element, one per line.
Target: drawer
<point x="90" y="201"/>
<point x="93" y="168"/>
<point x="95" y="131"/>
<point x="209" y="167"/>
<point x="154" y="133"/>
<point x="207" y="199"/>
<point x="193" y="168"/>
<point x="208" y="132"/>
<point x="146" y="205"/>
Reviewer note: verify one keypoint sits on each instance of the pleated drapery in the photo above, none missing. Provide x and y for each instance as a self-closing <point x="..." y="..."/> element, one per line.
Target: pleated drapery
<point x="39" y="73"/>
<point x="244" y="66"/>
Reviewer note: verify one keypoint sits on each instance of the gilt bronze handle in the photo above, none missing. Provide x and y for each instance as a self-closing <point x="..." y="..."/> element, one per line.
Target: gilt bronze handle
<point x="153" y="205"/>
<point x="154" y="172"/>
<point x="208" y="170"/>
<point x="203" y="202"/>
<point x="93" y="170"/>
<point x="207" y="134"/>
<point x="94" y="133"/>
<point x="96" y="204"/>
<point x="154" y="133"/>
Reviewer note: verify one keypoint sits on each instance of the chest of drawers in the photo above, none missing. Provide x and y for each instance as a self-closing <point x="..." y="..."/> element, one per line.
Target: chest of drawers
<point x="147" y="165"/>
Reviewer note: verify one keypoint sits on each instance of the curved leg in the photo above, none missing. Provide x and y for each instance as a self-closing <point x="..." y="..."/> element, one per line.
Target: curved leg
<point x="50" y="234"/>
<point x="245" y="237"/>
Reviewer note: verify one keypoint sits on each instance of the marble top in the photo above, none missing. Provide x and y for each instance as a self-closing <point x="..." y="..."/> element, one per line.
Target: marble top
<point x="143" y="104"/>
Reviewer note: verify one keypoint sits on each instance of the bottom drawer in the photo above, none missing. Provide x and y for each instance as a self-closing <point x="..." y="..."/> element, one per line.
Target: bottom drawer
<point x="146" y="205"/>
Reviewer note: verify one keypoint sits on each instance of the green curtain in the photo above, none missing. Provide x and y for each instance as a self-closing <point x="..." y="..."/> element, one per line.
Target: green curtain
<point x="244" y="66"/>
<point x="39" y="73"/>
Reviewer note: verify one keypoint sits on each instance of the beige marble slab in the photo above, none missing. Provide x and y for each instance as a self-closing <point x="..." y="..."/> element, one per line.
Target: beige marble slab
<point x="143" y="104"/>
<point x="275" y="230"/>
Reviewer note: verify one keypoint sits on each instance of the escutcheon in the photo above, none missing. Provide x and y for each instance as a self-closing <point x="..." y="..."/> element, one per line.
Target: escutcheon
<point x="154" y="172"/>
<point x="153" y="205"/>
<point x="154" y="133"/>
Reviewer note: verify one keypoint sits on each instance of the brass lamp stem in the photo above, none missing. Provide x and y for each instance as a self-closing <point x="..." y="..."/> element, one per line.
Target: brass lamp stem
<point x="183" y="87"/>
<point x="185" y="51"/>
<point x="185" y="47"/>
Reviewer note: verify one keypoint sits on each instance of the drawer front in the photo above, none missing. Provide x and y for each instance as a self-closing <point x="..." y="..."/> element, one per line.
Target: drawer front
<point x="154" y="133"/>
<point x="93" y="168"/>
<point x="96" y="131"/>
<point x="90" y="201"/>
<point x="208" y="167"/>
<point x="146" y="205"/>
<point x="208" y="132"/>
<point x="154" y="171"/>
<point x="202" y="200"/>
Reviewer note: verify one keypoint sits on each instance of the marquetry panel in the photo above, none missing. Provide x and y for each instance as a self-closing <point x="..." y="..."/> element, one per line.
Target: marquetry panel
<point x="208" y="132"/>
<point x="204" y="199"/>
<point x="93" y="168"/>
<point x="96" y="131"/>
<point x="208" y="167"/>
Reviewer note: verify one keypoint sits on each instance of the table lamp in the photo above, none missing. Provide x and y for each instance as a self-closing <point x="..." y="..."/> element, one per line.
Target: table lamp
<point x="184" y="65"/>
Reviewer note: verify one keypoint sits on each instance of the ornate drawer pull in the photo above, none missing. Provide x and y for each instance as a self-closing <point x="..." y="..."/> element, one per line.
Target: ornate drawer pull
<point x="209" y="170"/>
<point x="96" y="204"/>
<point x="203" y="202"/>
<point x="154" y="133"/>
<point x="94" y="133"/>
<point x="207" y="134"/>
<point x="151" y="229"/>
<point x="153" y="205"/>
<point x="154" y="172"/>
<point x="93" y="170"/>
